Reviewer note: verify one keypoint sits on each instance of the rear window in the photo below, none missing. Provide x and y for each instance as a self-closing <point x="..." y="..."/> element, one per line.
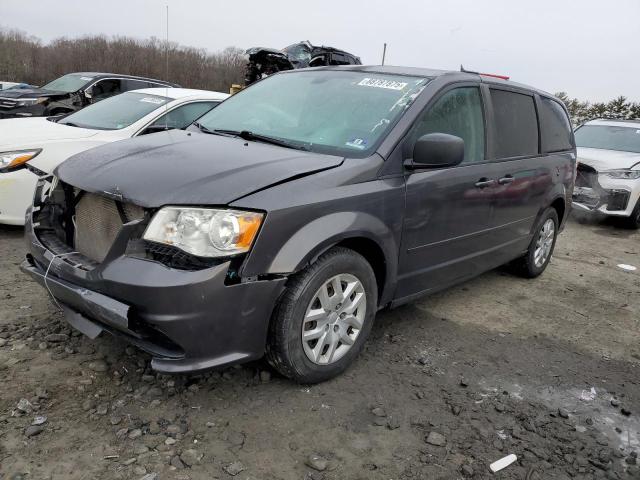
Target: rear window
<point x="555" y="126"/>
<point x="516" y="124"/>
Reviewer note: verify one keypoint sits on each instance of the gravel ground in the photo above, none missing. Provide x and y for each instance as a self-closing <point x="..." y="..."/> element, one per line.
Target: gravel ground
<point x="546" y="369"/>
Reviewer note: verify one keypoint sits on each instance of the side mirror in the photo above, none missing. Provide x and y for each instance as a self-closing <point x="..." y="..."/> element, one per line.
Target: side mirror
<point x="88" y="93"/>
<point x="436" y="150"/>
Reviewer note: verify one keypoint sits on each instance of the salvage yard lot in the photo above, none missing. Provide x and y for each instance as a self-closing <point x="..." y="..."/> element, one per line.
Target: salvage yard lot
<point x="547" y="369"/>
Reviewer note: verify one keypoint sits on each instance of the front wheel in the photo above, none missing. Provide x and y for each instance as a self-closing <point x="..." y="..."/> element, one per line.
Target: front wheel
<point x="324" y="317"/>
<point x="538" y="255"/>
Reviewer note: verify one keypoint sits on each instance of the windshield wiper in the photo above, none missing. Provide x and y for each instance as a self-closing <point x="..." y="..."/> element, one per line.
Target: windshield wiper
<point x="202" y="128"/>
<point x="256" y="137"/>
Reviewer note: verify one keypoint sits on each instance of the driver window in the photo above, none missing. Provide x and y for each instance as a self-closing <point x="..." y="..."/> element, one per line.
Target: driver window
<point x="105" y="89"/>
<point x="458" y="112"/>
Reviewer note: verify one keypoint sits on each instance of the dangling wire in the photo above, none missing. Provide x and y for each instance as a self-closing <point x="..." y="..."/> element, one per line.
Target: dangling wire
<point x="58" y="255"/>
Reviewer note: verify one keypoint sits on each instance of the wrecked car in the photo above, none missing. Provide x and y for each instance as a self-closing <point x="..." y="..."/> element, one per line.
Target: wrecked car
<point x="263" y="62"/>
<point x="32" y="147"/>
<point x="608" y="171"/>
<point x="70" y="93"/>
<point x="284" y="231"/>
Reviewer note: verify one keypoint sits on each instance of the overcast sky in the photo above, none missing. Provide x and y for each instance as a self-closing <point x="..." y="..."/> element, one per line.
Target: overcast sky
<point x="588" y="48"/>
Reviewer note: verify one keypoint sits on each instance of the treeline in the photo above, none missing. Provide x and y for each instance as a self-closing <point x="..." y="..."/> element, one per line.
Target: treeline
<point x="26" y="59"/>
<point x="582" y="111"/>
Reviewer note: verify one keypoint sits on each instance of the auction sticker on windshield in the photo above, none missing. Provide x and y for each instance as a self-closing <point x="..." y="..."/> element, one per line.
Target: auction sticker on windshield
<point x="359" y="143"/>
<point x="157" y="101"/>
<point x="382" y="83"/>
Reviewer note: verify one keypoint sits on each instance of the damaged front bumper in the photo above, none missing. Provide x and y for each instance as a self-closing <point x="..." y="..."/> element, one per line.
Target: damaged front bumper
<point x="188" y="320"/>
<point x="598" y="193"/>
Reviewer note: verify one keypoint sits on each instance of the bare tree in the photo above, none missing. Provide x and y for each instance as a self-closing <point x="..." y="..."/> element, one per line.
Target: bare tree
<point x="24" y="58"/>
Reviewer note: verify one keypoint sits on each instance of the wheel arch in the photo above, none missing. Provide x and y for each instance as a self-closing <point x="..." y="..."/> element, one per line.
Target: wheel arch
<point x="361" y="232"/>
<point x="560" y="206"/>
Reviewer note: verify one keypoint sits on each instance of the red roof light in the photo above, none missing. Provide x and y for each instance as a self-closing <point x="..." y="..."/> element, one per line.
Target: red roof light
<point x="495" y="75"/>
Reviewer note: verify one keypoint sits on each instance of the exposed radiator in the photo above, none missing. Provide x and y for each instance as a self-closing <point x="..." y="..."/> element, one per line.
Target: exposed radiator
<point x="98" y="222"/>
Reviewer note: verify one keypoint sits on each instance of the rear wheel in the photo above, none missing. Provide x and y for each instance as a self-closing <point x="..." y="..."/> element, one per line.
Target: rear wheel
<point x="538" y="255"/>
<point x="324" y="317"/>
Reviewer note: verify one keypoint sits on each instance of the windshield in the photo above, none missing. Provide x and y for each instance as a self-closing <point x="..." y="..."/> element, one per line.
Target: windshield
<point x="298" y="53"/>
<point x="344" y="113"/>
<point x="117" y="112"/>
<point x="609" y="137"/>
<point x="68" y="83"/>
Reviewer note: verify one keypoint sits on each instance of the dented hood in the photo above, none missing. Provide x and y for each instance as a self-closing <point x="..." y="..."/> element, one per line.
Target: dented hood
<point x="20" y="93"/>
<point x="178" y="167"/>
<point x="607" y="159"/>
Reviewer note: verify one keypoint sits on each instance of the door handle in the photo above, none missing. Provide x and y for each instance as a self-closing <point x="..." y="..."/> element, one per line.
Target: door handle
<point x="484" y="183"/>
<point x="506" y="179"/>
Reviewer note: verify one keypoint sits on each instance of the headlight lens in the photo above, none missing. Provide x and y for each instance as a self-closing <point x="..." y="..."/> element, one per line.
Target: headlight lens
<point x="205" y="232"/>
<point x="31" y="101"/>
<point x="16" y="159"/>
<point x="622" y="174"/>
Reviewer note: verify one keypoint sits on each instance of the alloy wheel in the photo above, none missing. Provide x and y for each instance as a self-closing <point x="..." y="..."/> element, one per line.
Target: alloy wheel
<point x="544" y="243"/>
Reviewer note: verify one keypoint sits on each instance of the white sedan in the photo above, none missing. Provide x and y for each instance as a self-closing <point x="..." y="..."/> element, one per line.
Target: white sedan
<point x="31" y="147"/>
<point x="608" y="180"/>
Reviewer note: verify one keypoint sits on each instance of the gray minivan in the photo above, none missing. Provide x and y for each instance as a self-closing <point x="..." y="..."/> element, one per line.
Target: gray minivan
<point x="285" y="218"/>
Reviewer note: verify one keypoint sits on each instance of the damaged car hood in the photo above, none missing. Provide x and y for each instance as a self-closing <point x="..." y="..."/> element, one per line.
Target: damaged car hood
<point x="179" y="167"/>
<point x="17" y="94"/>
<point x="607" y="159"/>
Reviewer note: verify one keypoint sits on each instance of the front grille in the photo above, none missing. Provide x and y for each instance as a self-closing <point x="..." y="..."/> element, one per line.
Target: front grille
<point x="98" y="221"/>
<point x="4" y="103"/>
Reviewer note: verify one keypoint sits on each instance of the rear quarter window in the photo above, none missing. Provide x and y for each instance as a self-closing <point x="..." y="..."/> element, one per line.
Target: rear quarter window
<point x="516" y="124"/>
<point x="555" y="126"/>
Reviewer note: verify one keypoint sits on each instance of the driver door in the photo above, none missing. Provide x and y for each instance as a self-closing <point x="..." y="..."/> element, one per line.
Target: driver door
<point x="448" y="210"/>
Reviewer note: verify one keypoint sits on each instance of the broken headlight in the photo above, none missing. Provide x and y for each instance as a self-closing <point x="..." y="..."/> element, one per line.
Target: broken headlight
<point x="622" y="174"/>
<point x="204" y="232"/>
<point x="16" y="159"/>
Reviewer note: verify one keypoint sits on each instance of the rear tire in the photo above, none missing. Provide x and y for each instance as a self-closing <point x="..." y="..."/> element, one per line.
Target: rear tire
<point x="540" y="250"/>
<point x="323" y="318"/>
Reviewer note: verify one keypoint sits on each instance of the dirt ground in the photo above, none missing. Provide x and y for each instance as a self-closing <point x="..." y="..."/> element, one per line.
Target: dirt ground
<point x="546" y="369"/>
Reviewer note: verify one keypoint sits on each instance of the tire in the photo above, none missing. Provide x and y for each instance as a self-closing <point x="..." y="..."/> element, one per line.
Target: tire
<point x="633" y="221"/>
<point x="58" y="111"/>
<point x="529" y="265"/>
<point x="286" y="350"/>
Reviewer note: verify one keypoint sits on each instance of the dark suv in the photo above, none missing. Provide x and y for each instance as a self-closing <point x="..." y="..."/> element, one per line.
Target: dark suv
<point x="70" y="93"/>
<point x="285" y="218"/>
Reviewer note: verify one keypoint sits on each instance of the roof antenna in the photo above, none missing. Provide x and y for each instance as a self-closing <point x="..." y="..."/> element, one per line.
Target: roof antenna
<point x="166" y="73"/>
<point x="384" y="52"/>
